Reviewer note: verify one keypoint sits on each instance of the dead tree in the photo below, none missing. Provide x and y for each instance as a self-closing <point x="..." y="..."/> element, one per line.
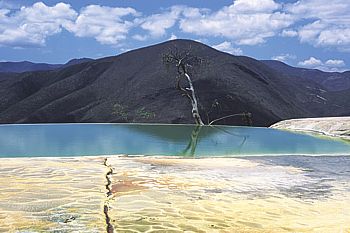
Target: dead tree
<point x="184" y="61"/>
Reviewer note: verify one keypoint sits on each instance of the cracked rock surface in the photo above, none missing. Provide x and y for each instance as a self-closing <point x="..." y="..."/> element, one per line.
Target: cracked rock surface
<point x="162" y="194"/>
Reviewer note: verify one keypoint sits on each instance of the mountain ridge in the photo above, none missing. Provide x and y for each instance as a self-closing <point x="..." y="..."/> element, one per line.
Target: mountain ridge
<point x="27" y="66"/>
<point x="73" y="61"/>
<point x="333" y="81"/>
<point x="137" y="86"/>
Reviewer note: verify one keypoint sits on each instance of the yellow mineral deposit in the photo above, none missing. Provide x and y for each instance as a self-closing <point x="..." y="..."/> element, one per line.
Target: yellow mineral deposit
<point x="156" y="194"/>
<point x="63" y="194"/>
<point x="197" y="196"/>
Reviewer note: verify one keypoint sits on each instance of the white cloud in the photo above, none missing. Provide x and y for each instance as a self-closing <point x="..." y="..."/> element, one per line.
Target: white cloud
<point x="191" y="12"/>
<point x="322" y="34"/>
<point x="30" y="26"/>
<point x="318" y="8"/>
<point x="105" y="24"/>
<point x="157" y="24"/>
<point x="255" y="6"/>
<point x="311" y="62"/>
<point x="331" y="65"/>
<point x="321" y="23"/>
<point x="244" y="22"/>
<point x="227" y="47"/>
<point x="140" y="37"/>
<point x="330" y="22"/>
<point x="283" y="57"/>
<point x="289" y="33"/>
<point x="335" y="62"/>
<point x="172" y="37"/>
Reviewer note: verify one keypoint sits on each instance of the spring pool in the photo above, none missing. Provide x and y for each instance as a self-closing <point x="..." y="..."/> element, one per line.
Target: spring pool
<point x="247" y="179"/>
<point x="59" y="140"/>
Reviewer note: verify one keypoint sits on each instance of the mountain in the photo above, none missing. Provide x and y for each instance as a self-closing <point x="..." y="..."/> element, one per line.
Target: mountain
<point x="138" y="87"/>
<point x="25" y="66"/>
<point x="331" y="81"/>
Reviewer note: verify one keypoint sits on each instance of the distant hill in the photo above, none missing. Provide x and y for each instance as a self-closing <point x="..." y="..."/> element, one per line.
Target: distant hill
<point x="137" y="87"/>
<point x="25" y="66"/>
<point x="332" y="81"/>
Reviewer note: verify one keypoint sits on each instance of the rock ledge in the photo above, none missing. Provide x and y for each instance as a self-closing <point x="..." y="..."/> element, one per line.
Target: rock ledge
<point x="330" y="126"/>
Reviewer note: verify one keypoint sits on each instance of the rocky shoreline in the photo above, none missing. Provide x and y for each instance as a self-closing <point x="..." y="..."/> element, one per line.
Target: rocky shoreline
<point x="338" y="127"/>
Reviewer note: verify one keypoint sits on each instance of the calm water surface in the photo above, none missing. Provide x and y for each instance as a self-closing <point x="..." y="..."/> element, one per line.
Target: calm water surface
<point x="149" y="139"/>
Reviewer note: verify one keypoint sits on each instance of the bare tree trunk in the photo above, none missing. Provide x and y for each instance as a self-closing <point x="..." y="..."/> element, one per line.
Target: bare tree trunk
<point x="194" y="102"/>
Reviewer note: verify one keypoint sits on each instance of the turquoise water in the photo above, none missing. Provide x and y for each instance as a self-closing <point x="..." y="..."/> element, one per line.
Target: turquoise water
<point x="150" y="139"/>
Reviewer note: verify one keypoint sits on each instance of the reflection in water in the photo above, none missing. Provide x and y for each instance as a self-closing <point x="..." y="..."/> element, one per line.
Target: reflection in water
<point x="243" y="136"/>
<point x="192" y="143"/>
<point x="148" y="139"/>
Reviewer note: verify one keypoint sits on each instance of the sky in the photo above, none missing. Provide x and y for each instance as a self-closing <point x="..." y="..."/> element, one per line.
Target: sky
<point x="304" y="33"/>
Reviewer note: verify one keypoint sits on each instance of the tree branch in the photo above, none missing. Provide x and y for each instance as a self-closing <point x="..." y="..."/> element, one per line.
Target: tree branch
<point x="248" y="115"/>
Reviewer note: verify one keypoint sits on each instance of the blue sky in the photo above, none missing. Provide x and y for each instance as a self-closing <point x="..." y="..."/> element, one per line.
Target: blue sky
<point x="304" y="33"/>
